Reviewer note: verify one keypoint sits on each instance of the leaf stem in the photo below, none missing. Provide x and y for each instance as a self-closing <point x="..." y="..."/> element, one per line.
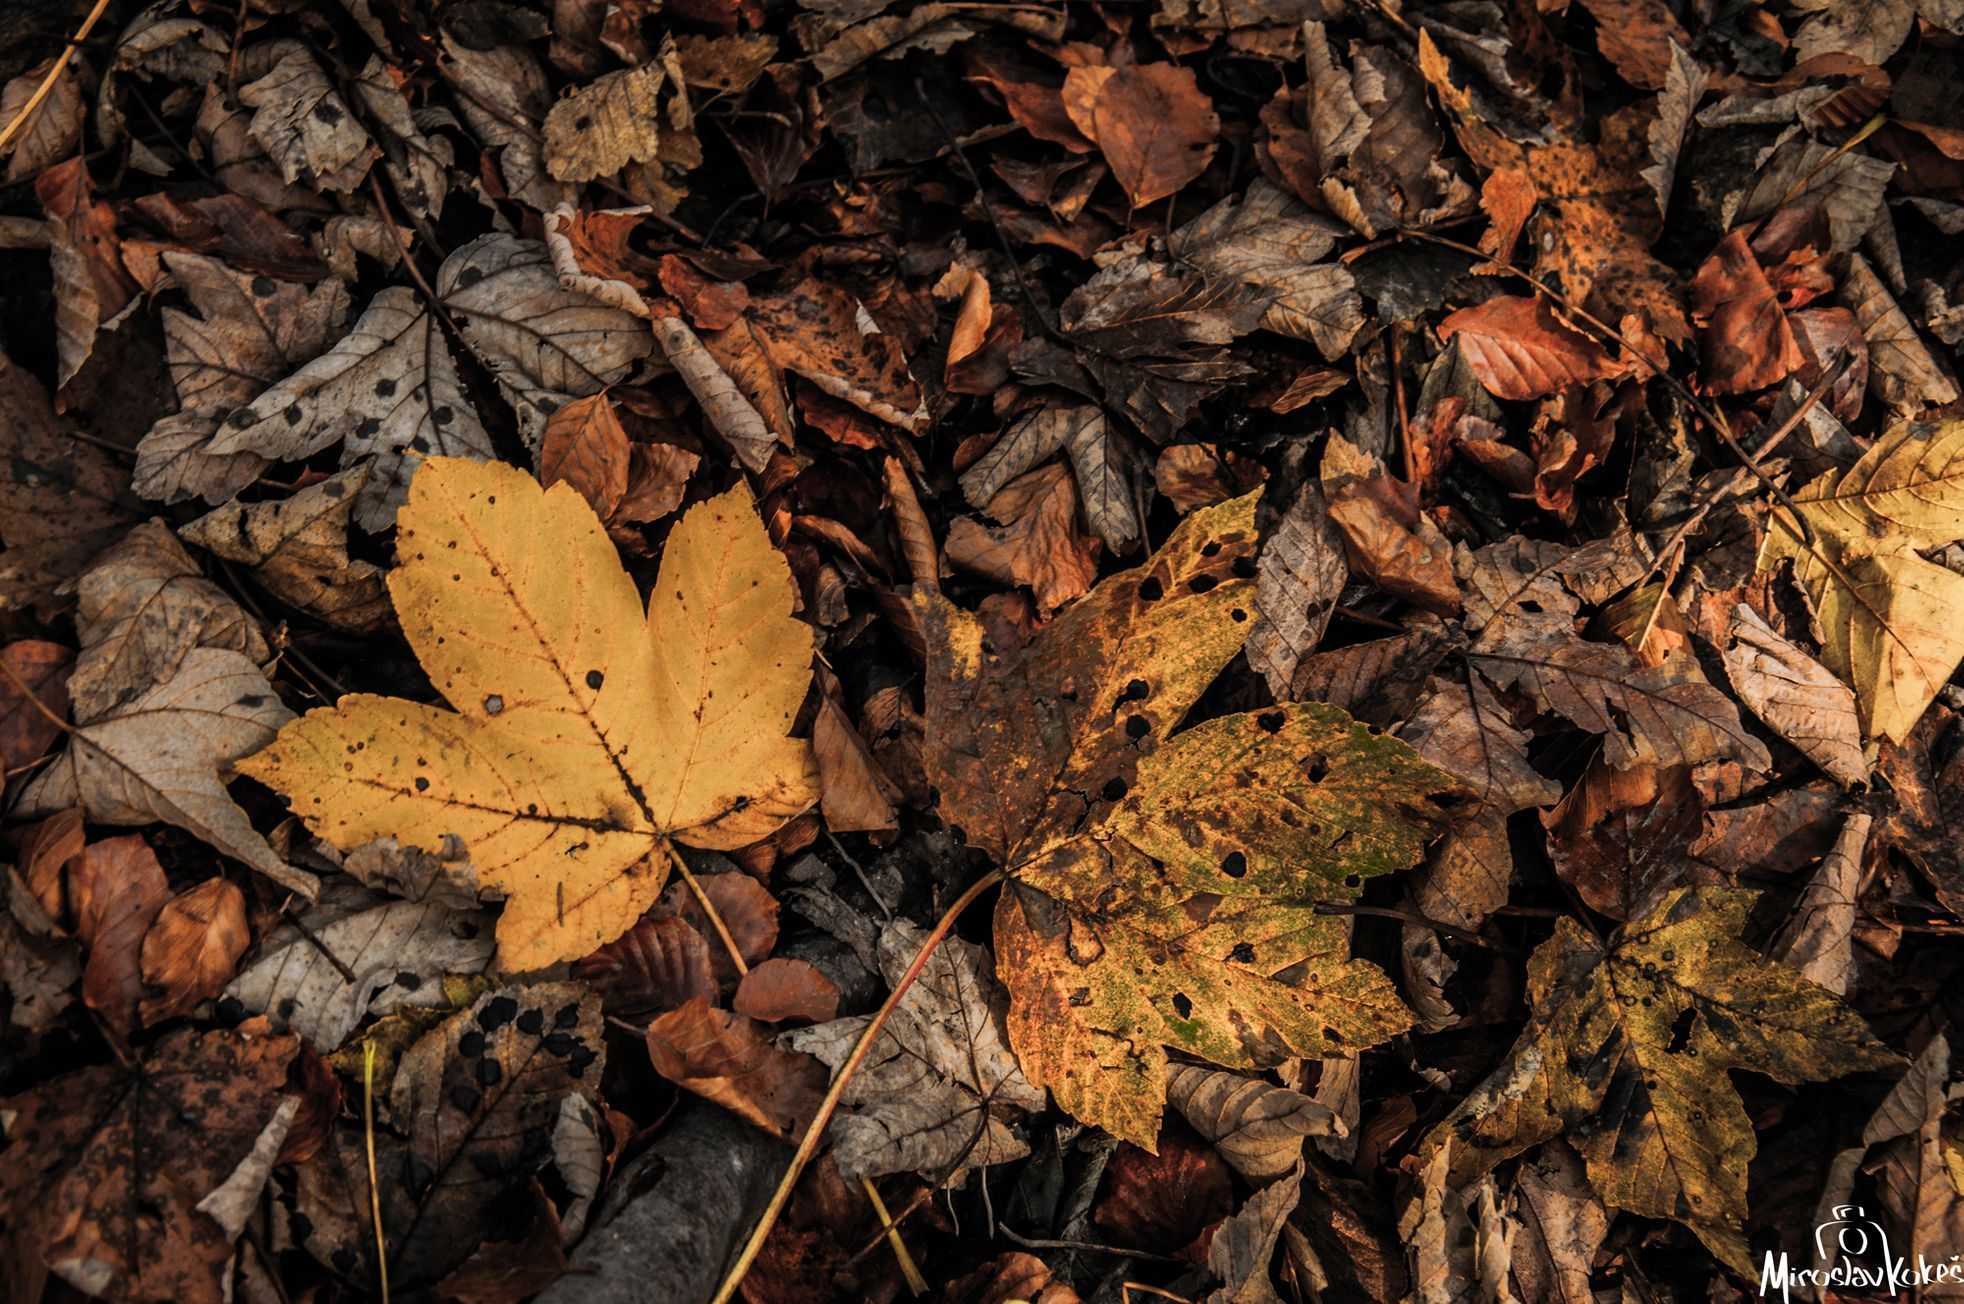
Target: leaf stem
<point x="808" y="1143"/>
<point x="374" y="1190"/>
<point x="708" y="906"/>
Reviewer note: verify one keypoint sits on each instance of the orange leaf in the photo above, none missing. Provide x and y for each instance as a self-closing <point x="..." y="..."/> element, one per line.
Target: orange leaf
<point x="586" y="447"/>
<point x="1518" y="349"/>
<point x="1154" y="126"/>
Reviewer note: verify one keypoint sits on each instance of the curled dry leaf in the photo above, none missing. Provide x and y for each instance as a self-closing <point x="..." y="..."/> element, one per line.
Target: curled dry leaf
<point x="116" y="889"/>
<point x="1298" y="581"/>
<point x="1155" y="127"/>
<point x="1519" y="349"/>
<point x="1257" y="1126"/>
<point x="620" y="693"/>
<point x="586" y="447"/>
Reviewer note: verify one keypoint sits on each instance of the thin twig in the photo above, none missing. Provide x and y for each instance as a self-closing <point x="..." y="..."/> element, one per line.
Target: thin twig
<point x="859" y="872"/>
<point x="815" y="1131"/>
<point x="340" y="965"/>
<point x="909" y="1270"/>
<point x="1466" y="935"/>
<point x="53" y="75"/>
<point x="1034" y="1243"/>
<point x="708" y="906"/>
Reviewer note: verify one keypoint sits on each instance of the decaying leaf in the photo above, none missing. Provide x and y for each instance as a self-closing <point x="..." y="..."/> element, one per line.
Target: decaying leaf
<point x="1641" y="1088"/>
<point x="1258" y="1126"/>
<point x="298" y="547"/>
<point x="1104" y="935"/>
<point x="105" y="1168"/>
<point x="939" y="1092"/>
<point x="663" y="723"/>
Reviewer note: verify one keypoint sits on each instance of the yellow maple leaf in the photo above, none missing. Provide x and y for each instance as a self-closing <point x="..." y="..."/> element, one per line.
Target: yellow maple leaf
<point x="1889" y="619"/>
<point x="585" y="734"/>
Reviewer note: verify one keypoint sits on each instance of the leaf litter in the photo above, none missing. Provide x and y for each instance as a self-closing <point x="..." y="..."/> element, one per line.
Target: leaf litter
<point x="559" y="559"/>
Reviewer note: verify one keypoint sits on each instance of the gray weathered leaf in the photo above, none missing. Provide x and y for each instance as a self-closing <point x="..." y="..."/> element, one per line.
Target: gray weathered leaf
<point x="1298" y="580"/>
<point x="545" y="343"/>
<point x="1101" y="462"/>
<point x="161" y="756"/>
<point x="1269" y="243"/>
<point x="248" y="331"/>
<point x="397" y="951"/>
<point x="1799" y="698"/>
<point x="1684" y="86"/>
<point x="1901" y="371"/>
<point x="1257" y="1126"/>
<point x="1244" y="1245"/>
<point x="305" y="124"/>
<point x="418" y="165"/>
<point x="141" y="609"/>
<point x="390" y="388"/>
<point x="941" y="1089"/>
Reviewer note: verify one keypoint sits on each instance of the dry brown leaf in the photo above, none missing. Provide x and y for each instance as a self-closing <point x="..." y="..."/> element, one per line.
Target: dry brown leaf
<point x="193" y="947"/>
<point x="1038" y="542"/>
<point x="1797" y="696"/>
<point x="782" y="989"/>
<point x="1257" y="1126"/>
<point x="726" y="1058"/>
<point x="116" y="889"/>
<point x="1298" y="580"/>
<point x="1519" y="349"/>
<point x="38" y="673"/>
<point x="586" y="447"/>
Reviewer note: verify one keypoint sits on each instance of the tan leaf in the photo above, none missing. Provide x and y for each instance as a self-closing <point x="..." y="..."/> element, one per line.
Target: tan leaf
<point x="1819" y="938"/>
<point x="586" y="447"/>
<point x="305" y="124"/>
<point x="1797" y="697"/>
<point x="1257" y="1126"/>
<point x="605" y="125"/>
<point x="161" y="756"/>
<point x="298" y="548"/>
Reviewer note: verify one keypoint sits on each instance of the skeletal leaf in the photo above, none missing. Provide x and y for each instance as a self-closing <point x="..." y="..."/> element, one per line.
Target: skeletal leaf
<point x="1163" y="890"/>
<point x="160" y="756"/>
<point x="1628" y="1051"/>
<point x="583" y="733"/>
<point x="1888" y="617"/>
